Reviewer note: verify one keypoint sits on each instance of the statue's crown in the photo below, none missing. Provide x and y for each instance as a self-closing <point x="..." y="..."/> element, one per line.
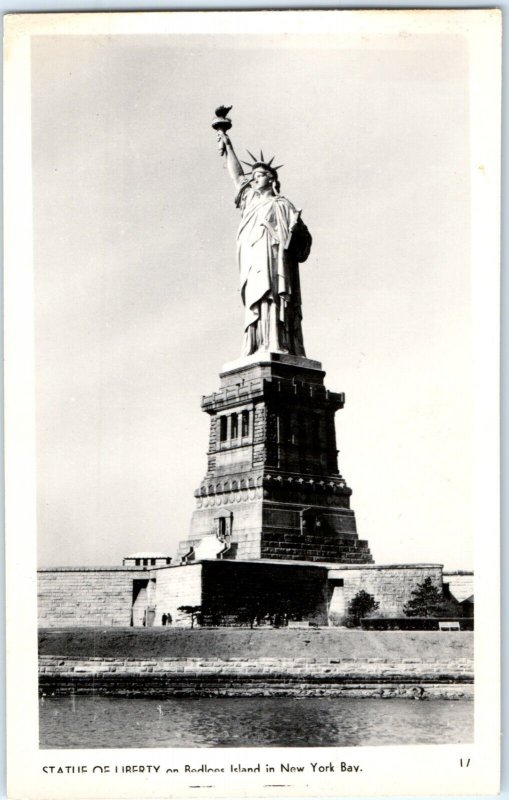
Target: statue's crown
<point x="261" y="162"/>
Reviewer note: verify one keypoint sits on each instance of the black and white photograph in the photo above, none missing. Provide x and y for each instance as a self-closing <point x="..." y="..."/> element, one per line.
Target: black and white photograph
<point x="252" y="402"/>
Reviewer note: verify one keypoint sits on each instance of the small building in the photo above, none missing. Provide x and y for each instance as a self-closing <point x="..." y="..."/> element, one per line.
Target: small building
<point x="147" y="560"/>
<point x="459" y="584"/>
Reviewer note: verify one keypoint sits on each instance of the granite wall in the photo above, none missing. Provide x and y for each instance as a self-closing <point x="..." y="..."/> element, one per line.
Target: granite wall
<point x="301" y="676"/>
<point x="177" y="586"/>
<point x="88" y="596"/>
<point x="390" y="585"/>
<point x="124" y="596"/>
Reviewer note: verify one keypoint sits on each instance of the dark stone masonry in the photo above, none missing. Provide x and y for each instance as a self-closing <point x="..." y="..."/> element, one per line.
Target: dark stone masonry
<point x="273" y="489"/>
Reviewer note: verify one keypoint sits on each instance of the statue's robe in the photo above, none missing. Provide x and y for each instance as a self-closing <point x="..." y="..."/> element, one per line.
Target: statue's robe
<point x="271" y="240"/>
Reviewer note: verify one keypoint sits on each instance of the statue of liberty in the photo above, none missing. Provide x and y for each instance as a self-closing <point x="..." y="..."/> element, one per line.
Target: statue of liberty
<point x="271" y="242"/>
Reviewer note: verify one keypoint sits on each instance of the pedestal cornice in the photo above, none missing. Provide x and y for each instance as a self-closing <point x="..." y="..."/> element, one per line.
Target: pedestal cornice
<point x="264" y="359"/>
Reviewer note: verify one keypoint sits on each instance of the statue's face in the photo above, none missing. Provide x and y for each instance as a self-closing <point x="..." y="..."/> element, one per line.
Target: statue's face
<point x="262" y="179"/>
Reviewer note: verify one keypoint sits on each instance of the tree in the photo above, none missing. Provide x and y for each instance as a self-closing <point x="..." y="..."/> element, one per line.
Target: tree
<point x="427" y="601"/>
<point x="361" y="605"/>
<point x="252" y="610"/>
<point x="193" y="611"/>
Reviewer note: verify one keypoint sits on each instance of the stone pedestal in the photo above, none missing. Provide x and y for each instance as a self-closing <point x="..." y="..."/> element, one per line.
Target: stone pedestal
<point x="272" y="488"/>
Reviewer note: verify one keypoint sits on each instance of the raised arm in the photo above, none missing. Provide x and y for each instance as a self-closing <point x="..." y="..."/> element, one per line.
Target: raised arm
<point x="232" y="162"/>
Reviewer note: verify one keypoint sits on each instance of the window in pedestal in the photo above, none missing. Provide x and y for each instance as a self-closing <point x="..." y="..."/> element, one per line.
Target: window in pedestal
<point x="224" y="528"/>
<point x="245" y="424"/>
<point x="234" y="426"/>
<point x="223" y="429"/>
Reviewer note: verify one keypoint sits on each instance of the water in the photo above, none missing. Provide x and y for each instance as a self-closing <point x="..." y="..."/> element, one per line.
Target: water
<point x="88" y="722"/>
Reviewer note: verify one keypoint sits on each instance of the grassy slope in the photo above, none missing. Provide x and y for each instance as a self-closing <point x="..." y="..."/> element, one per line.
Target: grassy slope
<point x="261" y="643"/>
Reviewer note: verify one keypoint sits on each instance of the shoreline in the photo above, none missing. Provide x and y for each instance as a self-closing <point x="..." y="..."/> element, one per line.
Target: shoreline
<point x="242" y="663"/>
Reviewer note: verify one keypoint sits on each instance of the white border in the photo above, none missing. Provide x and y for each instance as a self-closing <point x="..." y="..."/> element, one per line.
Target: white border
<point x="436" y="766"/>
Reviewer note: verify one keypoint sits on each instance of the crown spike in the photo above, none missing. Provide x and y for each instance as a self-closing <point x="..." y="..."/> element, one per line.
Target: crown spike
<point x="247" y="163"/>
<point x="270" y="162"/>
<point x="261" y="156"/>
<point x="278" y="167"/>
<point x="252" y="156"/>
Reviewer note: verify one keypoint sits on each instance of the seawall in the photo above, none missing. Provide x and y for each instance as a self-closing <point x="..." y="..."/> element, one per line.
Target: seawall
<point x="219" y="662"/>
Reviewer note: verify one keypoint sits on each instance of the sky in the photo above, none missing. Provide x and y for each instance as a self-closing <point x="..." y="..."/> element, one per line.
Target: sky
<point x="136" y="288"/>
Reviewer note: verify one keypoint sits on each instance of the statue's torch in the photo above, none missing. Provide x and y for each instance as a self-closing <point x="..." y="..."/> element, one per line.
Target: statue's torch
<point x="222" y="123"/>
